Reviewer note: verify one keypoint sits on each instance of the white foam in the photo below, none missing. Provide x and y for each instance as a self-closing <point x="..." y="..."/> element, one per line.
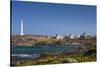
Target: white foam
<point x="26" y="55"/>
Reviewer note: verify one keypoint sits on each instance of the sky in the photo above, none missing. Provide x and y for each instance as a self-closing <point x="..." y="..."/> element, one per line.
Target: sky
<point x="52" y="18"/>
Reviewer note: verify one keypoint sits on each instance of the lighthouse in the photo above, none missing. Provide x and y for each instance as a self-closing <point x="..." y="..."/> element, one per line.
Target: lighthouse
<point x="21" y="30"/>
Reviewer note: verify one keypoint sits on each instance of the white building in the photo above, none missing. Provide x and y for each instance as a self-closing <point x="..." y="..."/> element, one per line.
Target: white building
<point x="87" y="36"/>
<point x="71" y="36"/>
<point x="59" y="37"/>
<point x="78" y="36"/>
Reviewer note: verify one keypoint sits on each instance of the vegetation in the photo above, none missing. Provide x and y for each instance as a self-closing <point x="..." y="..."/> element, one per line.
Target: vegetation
<point x="33" y="40"/>
<point x="73" y="57"/>
<point x="84" y="54"/>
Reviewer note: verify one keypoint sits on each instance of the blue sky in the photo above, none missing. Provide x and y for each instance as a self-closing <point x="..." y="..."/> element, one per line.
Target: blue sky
<point x="49" y="19"/>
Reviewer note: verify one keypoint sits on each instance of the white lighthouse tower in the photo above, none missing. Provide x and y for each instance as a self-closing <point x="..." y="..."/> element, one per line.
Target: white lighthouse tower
<point x="21" y="31"/>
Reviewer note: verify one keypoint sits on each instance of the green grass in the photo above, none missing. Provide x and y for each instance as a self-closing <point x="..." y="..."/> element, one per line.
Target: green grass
<point x="55" y="59"/>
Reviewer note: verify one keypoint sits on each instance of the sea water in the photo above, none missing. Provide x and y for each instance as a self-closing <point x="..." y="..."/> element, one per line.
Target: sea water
<point x="20" y="53"/>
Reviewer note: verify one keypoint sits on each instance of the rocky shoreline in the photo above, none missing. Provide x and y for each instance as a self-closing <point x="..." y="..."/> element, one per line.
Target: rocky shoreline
<point x="33" y="40"/>
<point x="84" y="53"/>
